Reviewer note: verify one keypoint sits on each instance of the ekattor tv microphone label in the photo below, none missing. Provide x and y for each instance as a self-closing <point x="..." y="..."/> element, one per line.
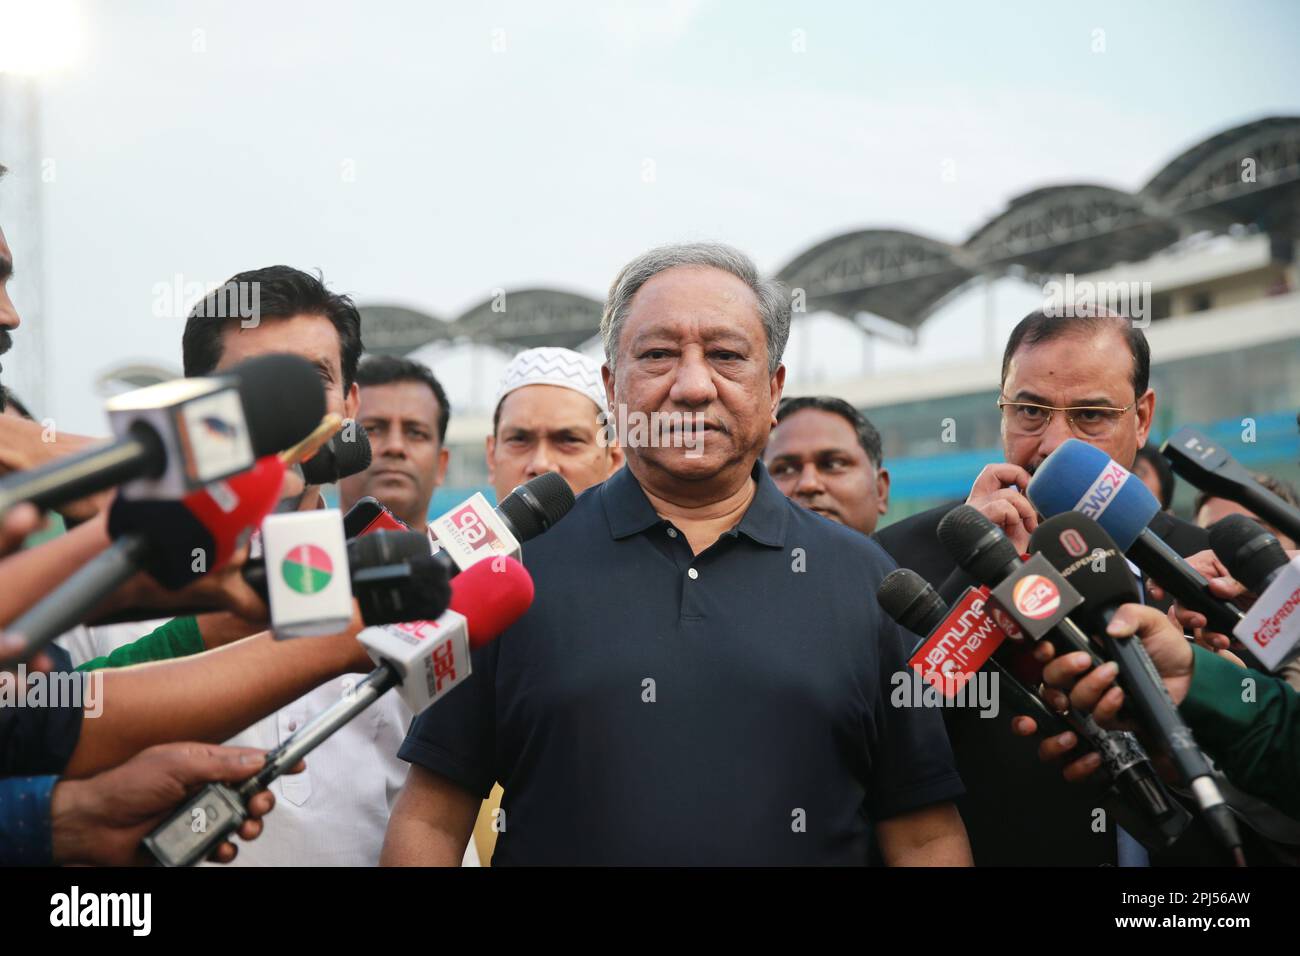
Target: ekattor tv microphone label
<point x="1271" y="628"/>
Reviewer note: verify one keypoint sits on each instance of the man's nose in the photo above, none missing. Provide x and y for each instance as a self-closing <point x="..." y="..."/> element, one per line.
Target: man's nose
<point x="8" y="313"/>
<point x="693" y="382"/>
<point x="1056" y="434"/>
<point x="810" y="481"/>
<point x="392" y="445"/>
<point x="541" y="461"/>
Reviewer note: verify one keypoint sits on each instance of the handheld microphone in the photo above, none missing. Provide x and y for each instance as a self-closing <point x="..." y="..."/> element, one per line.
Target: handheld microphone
<point x="176" y="437"/>
<point x="472" y="531"/>
<point x="347" y="453"/>
<point x="177" y="542"/>
<point x="484" y="602"/>
<point x="1079" y="477"/>
<point x="916" y="605"/>
<point x="394" y="578"/>
<point x="1026" y="598"/>
<point x="1197" y="458"/>
<point x="1087" y="556"/>
<point x="1270" y="630"/>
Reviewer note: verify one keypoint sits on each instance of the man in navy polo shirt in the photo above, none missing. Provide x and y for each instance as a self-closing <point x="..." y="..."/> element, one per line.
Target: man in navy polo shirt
<point x="704" y="676"/>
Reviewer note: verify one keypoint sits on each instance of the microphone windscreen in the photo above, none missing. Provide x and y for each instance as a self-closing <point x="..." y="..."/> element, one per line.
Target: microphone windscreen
<point x="1250" y="552"/>
<point x="910" y="600"/>
<point x="492" y="595"/>
<point x="347" y="453"/>
<point x="537" y="504"/>
<point x="977" y="545"/>
<point x="1079" y="477"/>
<point x="283" y="400"/>
<point x="379" y="548"/>
<point x="1088" y="558"/>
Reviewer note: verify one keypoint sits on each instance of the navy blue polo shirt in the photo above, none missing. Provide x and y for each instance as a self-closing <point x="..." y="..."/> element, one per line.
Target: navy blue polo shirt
<point x="661" y="708"/>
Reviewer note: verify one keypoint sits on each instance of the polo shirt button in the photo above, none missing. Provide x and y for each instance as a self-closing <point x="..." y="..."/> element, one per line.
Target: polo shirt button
<point x="293" y="725"/>
<point x="692" y="574"/>
<point x="672" y="532"/>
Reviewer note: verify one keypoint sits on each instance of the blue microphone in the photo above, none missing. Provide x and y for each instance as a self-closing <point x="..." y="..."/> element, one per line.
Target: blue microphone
<point x="1080" y="477"/>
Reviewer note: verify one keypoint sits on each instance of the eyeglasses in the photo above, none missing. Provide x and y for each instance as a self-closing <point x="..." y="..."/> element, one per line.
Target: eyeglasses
<point x="1086" y="421"/>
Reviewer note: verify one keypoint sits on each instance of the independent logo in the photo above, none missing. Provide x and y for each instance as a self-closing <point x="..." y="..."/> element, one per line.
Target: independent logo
<point x="307" y="569"/>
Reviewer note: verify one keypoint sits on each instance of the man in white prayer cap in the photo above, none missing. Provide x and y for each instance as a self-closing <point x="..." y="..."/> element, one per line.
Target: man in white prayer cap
<point x="550" y="416"/>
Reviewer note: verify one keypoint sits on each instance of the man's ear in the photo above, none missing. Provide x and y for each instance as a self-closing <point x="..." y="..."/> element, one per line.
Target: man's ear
<point x="616" y="458"/>
<point x="882" y="490"/>
<point x="444" y="457"/>
<point x="491" y="454"/>
<point x="777" y="386"/>
<point x="352" y="401"/>
<point x="607" y="376"/>
<point x="1146" y="410"/>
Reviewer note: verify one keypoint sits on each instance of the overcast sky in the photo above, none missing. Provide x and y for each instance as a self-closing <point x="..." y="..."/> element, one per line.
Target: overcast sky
<point x="424" y="153"/>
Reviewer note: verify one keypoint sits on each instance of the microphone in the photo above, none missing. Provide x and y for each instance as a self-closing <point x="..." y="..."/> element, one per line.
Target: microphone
<point x="1196" y="458"/>
<point x="472" y="531"/>
<point x="957" y="642"/>
<point x="1256" y="559"/>
<point x="1079" y="477"/>
<point x="394" y="578"/>
<point x="176" y="437"/>
<point x="1026" y="598"/>
<point x="916" y="606"/>
<point x="484" y="602"/>
<point x="1092" y="561"/>
<point x="175" y="541"/>
<point x="347" y="453"/>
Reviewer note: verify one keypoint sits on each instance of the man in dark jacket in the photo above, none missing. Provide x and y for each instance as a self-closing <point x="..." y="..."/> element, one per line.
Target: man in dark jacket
<point x="1080" y="376"/>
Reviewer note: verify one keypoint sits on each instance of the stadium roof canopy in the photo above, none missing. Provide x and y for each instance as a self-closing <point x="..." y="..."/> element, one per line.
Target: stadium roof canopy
<point x="512" y="321"/>
<point x="1248" y="175"/>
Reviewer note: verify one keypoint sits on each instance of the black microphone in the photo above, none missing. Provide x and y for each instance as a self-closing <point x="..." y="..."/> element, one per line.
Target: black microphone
<point x="1252" y="555"/>
<point x="1270" y="632"/>
<point x="1092" y="562"/>
<point x="915" y="605"/>
<point x="526" y="512"/>
<point x="394" y="577"/>
<point x="1197" y="458"/>
<point x="179" y="436"/>
<point x="983" y="551"/>
<point x="347" y="453"/>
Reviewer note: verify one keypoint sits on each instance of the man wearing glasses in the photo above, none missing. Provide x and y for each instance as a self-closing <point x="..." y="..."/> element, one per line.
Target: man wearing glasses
<point x="1087" y="377"/>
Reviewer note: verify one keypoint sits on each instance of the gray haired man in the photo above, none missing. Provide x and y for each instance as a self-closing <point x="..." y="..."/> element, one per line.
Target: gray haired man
<point x="698" y="681"/>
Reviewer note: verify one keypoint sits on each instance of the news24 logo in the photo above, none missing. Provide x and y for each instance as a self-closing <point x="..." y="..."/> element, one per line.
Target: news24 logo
<point x="1102" y="491"/>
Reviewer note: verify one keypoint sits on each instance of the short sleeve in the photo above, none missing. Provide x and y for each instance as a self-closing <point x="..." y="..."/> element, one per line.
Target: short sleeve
<point x="912" y="766"/>
<point x="40" y="739"/>
<point x="456" y="737"/>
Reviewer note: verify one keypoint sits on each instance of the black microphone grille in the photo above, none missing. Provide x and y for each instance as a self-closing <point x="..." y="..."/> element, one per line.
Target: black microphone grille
<point x="347" y="453"/>
<point x="386" y="547"/>
<point x="537" y="504"/>
<point x="977" y="545"/>
<point x="1250" y="552"/>
<point x="909" y="599"/>
<point x="282" y="397"/>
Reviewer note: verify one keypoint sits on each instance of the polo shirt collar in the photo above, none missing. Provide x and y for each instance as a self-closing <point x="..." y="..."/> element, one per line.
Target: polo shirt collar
<point x="628" y="510"/>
